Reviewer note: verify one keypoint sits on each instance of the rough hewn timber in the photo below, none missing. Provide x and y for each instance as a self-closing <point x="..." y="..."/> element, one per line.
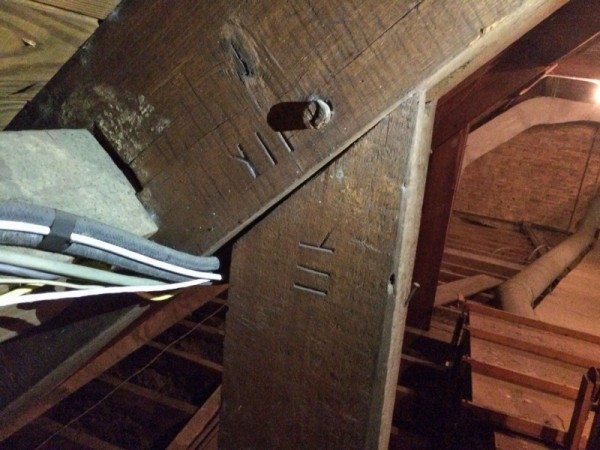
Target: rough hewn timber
<point x="205" y="109"/>
<point x="317" y="300"/>
<point x="191" y="96"/>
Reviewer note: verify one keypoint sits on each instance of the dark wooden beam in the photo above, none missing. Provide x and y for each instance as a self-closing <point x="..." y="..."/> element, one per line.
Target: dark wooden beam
<point x="212" y="125"/>
<point x="442" y="181"/>
<point x="516" y="68"/>
<point x="204" y="101"/>
<point x="317" y="298"/>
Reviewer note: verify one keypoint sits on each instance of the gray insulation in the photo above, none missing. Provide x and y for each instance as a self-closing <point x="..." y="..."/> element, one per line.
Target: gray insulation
<point x="39" y="215"/>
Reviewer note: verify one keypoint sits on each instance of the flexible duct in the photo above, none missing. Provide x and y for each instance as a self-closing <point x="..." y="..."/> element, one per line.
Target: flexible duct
<point x="520" y="292"/>
<point x="37" y="215"/>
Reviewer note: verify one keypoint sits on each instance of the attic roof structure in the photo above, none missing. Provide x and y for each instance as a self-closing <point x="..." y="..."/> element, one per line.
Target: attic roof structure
<point x="372" y="176"/>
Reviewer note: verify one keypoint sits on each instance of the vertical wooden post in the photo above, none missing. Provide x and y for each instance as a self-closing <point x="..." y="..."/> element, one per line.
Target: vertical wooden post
<point x="317" y="298"/>
<point x="583" y="405"/>
<point x="442" y="182"/>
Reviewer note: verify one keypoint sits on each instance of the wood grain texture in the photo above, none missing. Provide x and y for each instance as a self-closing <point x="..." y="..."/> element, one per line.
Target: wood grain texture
<point x="465" y="287"/>
<point x="98" y="9"/>
<point x="35" y="41"/>
<point x="515" y="442"/>
<point x="196" y="123"/>
<point x="521" y="402"/>
<point x="545" y="343"/>
<point x="442" y="181"/>
<point x="191" y="115"/>
<point x="317" y="296"/>
<point x="527" y="363"/>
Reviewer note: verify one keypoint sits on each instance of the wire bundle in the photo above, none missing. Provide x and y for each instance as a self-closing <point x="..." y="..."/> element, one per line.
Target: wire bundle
<point x="47" y="229"/>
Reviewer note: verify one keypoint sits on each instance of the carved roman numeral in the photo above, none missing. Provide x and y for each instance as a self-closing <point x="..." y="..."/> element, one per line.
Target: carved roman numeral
<point x="319" y="276"/>
<point x="243" y="158"/>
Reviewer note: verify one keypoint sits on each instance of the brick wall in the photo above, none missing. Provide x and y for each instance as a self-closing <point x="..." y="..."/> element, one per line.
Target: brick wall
<point x="546" y="175"/>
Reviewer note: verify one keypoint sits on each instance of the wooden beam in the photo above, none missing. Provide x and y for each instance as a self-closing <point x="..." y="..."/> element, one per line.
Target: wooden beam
<point x="516" y="68"/>
<point x="78" y="437"/>
<point x="561" y="354"/>
<point x="530" y="364"/>
<point x="522" y="379"/>
<point x="137" y="334"/>
<point x="187" y="355"/>
<point x="198" y="424"/>
<point x="594" y="437"/>
<point x="40" y="371"/>
<point x="536" y="324"/>
<point x="149" y="394"/>
<point x="539" y="431"/>
<point x="210" y="125"/>
<point x="442" y="181"/>
<point x="588" y="394"/>
<point x="465" y="287"/>
<point x="317" y="299"/>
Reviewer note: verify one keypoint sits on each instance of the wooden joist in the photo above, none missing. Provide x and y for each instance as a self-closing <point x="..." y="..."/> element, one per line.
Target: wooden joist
<point x="187" y="355"/>
<point x="79" y="437"/>
<point x="148" y="393"/>
<point x="198" y="137"/>
<point x="203" y="420"/>
<point x="465" y="287"/>
<point x="145" y="329"/>
<point x="530" y="377"/>
<point x="504" y="441"/>
<point x="519" y="425"/>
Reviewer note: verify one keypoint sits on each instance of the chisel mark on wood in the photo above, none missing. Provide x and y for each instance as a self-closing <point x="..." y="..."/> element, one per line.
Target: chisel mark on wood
<point x="310" y="290"/>
<point x="243" y="158"/>
<point x="266" y="149"/>
<point x="286" y="142"/>
<point x="312" y="271"/>
<point x="318" y="248"/>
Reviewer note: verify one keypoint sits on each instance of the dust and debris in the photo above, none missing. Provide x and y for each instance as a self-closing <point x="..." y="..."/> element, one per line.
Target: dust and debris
<point x="128" y="121"/>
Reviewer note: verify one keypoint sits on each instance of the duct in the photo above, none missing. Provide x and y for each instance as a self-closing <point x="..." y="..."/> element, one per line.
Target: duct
<point x="518" y="294"/>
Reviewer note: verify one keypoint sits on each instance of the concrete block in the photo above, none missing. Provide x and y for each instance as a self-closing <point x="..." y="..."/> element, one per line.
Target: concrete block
<point x="69" y="170"/>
